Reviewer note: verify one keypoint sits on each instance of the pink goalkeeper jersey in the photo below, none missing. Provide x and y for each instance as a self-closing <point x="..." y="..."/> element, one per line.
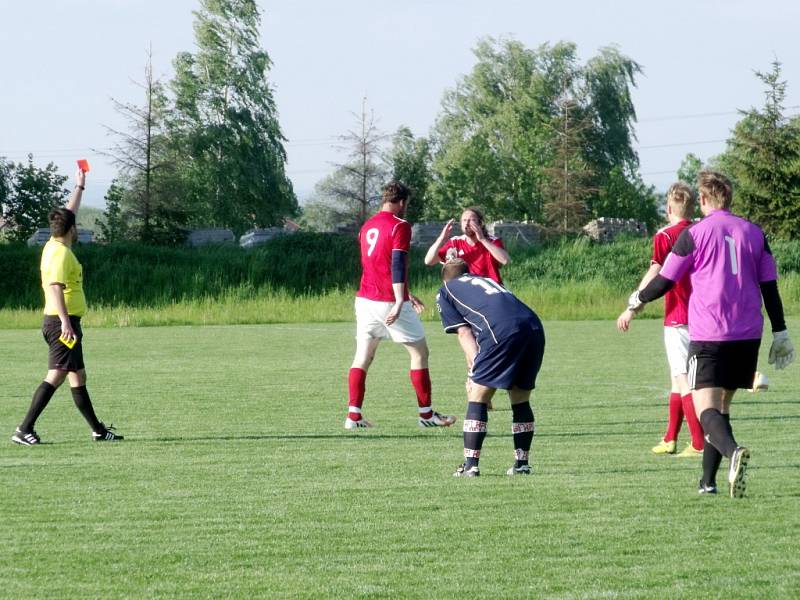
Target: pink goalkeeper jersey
<point x="726" y="257"/>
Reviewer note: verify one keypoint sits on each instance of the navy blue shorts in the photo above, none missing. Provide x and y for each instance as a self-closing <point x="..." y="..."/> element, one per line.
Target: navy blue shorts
<point x="513" y="362"/>
<point x="60" y="357"/>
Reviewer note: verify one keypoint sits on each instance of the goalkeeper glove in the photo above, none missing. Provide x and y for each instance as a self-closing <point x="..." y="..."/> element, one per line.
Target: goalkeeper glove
<point x="634" y="304"/>
<point x="781" y="353"/>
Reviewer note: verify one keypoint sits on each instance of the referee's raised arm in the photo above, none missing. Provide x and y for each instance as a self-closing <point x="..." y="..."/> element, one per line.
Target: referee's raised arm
<point x="74" y="202"/>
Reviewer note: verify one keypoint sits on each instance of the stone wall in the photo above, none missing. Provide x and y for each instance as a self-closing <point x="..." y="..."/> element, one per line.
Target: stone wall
<point x="518" y="233"/>
<point x="203" y="237"/>
<point x="256" y="237"/>
<point x="41" y="235"/>
<point x="606" y="229"/>
<point x="424" y="234"/>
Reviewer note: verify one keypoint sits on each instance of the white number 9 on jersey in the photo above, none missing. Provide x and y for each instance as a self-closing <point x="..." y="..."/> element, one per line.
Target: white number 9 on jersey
<point x="372" y="239"/>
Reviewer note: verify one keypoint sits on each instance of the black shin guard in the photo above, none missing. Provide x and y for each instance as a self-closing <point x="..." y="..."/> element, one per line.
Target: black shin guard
<point x="718" y="431"/>
<point x="522" y="428"/>
<point x="474" y="432"/>
<point x="41" y="397"/>
<point x="81" y="398"/>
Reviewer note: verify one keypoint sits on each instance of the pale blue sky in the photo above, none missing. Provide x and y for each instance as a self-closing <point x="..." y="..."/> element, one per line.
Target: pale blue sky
<point x="63" y="59"/>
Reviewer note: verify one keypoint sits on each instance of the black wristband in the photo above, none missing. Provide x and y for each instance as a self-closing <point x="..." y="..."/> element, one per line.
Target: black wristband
<point x="80" y="187"/>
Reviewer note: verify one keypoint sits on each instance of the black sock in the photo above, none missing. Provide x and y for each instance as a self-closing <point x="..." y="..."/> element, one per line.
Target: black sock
<point x="712" y="458"/>
<point x="41" y="397"/>
<point x="474" y="432"/>
<point x="522" y="427"/>
<point x="727" y="418"/>
<point x="81" y="397"/>
<point x="718" y="431"/>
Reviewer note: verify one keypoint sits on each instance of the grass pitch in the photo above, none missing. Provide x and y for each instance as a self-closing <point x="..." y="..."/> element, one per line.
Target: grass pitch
<point x="236" y="478"/>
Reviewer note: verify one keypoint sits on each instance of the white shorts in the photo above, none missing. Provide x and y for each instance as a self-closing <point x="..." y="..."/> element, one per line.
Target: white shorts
<point x="676" y="340"/>
<point x="370" y="317"/>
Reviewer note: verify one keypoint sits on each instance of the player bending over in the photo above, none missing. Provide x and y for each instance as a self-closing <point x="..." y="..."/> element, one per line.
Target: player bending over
<point x="503" y="341"/>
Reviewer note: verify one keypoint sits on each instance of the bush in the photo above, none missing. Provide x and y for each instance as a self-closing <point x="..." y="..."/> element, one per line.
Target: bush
<point x="315" y="264"/>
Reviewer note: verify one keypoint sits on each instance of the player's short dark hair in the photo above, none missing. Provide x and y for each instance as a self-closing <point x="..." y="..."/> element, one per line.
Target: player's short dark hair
<point x="716" y="187"/>
<point x="395" y="192"/>
<point x="61" y="221"/>
<point x="453" y="268"/>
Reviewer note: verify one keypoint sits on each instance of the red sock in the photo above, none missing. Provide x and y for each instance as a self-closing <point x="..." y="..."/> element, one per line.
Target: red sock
<point x="691" y="420"/>
<point x="357" y="382"/>
<point x="675" y="417"/>
<point x="421" y="380"/>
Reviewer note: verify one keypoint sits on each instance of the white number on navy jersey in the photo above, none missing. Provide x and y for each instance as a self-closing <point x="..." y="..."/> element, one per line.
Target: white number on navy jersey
<point x="372" y="239"/>
<point x="489" y="285"/>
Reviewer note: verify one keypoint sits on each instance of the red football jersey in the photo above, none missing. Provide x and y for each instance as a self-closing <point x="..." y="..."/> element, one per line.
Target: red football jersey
<point x="676" y="301"/>
<point x="379" y="236"/>
<point x="479" y="260"/>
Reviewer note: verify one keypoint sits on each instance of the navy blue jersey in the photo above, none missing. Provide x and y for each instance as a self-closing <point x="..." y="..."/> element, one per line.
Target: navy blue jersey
<point x="489" y="309"/>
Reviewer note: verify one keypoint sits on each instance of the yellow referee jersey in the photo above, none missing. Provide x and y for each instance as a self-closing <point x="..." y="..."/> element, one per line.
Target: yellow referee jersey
<point x="59" y="265"/>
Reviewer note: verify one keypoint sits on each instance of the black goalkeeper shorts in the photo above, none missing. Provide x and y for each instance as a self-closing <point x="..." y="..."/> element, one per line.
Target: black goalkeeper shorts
<point x="729" y="365"/>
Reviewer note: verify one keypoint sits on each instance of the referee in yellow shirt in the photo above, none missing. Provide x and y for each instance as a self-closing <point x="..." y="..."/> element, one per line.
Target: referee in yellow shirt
<point x="65" y="304"/>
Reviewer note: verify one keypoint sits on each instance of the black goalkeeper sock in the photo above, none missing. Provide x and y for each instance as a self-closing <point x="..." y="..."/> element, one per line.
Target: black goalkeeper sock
<point x="712" y="457"/>
<point x="81" y="398"/>
<point x="474" y="432"/>
<point x="522" y="427"/>
<point x="711" y="460"/>
<point x="41" y="397"/>
<point x="718" y="431"/>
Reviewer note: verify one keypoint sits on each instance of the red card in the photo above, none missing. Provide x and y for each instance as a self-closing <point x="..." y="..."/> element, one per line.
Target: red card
<point x="83" y="165"/>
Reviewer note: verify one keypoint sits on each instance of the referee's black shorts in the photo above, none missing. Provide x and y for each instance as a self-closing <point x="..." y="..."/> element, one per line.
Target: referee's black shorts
<point x="729" y="365"/>
<point x="59" y="356"/>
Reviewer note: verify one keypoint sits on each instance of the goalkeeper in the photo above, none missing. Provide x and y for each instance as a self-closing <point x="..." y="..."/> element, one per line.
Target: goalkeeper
<point x="731" y="268"/>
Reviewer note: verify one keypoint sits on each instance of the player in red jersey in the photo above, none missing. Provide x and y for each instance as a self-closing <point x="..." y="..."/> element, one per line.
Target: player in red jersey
<point x="680" y="207"/>
<point x="483" y="253"/>
<point x="385" y="309"/>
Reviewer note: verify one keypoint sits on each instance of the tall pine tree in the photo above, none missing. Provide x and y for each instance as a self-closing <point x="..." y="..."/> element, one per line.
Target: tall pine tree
<point x="763" y="158"/>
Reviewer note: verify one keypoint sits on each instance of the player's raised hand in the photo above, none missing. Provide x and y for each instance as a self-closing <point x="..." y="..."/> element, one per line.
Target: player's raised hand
<point x="446" y="230"/>
<point x="624" y="320"/>
<point x="781" y="353"/>
<point x="80" y="178"/>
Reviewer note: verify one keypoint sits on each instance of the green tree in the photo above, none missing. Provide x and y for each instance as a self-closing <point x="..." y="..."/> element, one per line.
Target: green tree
<point x="691" y="165"/>
<point x="567" y="183"/>
<point x="629" y="198"/>
<point x="323" y="214"/>
<point x="5" y="189"/>
<point x="30" y="194"/>
<point x="225" y="118"/>
<point x="763" y="159"/>
<point x="115" y="226"/>
<point x="409" y="161"/>
<point x="498" y="130"/>
<point x="352" y="192"/>
<point x="146" y="197"/>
